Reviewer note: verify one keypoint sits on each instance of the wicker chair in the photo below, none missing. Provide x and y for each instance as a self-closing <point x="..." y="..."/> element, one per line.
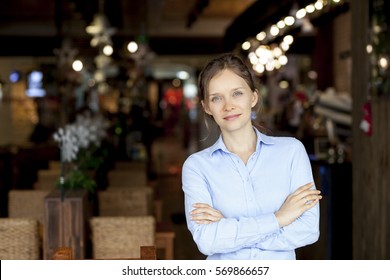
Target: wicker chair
<point x="19" y="239"/>
<point x="47" y="179"/>
<point x="27" y="204"/>
<point x="121" y="237"/>
<point x="126" y="178"/>
<point x="136" y="201"/>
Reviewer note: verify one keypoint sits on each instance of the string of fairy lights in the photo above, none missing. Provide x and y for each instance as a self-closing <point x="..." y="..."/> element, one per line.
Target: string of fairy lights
<point x="264" y="54"/>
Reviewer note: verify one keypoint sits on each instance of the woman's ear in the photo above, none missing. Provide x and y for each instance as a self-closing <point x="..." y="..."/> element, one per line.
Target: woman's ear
<point x="255" y="98"/>
<point x="207" y="111"/>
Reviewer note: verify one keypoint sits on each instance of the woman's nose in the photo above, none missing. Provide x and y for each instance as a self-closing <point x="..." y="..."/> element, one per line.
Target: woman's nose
<point x="228" y="106"/>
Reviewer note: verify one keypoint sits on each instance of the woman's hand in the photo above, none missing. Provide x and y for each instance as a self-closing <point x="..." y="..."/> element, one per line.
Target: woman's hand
<point x="205" y="214"/>
<point x="297" y="203"/>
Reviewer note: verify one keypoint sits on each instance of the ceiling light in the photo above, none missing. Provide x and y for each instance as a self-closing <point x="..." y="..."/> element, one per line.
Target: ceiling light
<point x="310" y="8"/>
<point x="246" y="45"/>
<point x="289" y="20"/>
<point x="283" y="60"/>
<point x="77" y="65"/>
<point x="182" y="75"/>
<point x="301" y="13"/>
<point x="274" y="30"/>
<point x="261" y="36"/>
<point x="132" y="47"/>
<point x="108" y="50"/>
<point x="281" y="24"/>
<point x="318" y="5"/>
<point x="288" y="39"/>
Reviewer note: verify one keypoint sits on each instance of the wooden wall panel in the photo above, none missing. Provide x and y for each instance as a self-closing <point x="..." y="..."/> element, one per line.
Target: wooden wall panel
<point x="371" y="154"/>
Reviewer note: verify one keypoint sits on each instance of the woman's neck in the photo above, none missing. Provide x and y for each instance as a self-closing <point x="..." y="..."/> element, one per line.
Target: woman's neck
<point x="241" y="143"/>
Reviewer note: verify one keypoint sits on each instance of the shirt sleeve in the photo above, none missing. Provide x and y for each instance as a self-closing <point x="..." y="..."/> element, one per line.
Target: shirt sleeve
<point x="304" y="230"/>
<point x="229" y="234"/>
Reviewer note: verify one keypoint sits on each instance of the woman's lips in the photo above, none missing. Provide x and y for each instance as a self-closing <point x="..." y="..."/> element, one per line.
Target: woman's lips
<point x="231" y="117"/>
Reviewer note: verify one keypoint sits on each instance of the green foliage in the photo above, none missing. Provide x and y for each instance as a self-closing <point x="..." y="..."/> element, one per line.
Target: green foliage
<point x="91" y="158"/>
<point x="76" y="180"/>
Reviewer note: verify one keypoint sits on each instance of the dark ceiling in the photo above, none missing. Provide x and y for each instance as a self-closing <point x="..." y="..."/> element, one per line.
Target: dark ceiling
<point x="171" y="27"/>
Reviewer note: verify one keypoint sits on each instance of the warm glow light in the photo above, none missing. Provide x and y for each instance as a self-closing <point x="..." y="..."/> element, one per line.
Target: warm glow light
<point x="288" y="39"/>
<point x="283" y="84"/>
<point x="108" y="50"/>
<point x="369" y="48"/>
<point x="383" y="63"/>
<point x="284" y="46"/>
<point x="301" y="13"/>
<point x="253" y="58"/>
<point x="277" y="64"/>
<point x="259" y="68"/>
<point x="77" y="65"/>
<point x="310" y="8"/>
<point x="263" y="54"/>
<point x="318" y="5"/>
<point x="270" y="66"/>
<point x="190" y="90"/>
<point x="261" y="36"/>
<point x="281" y="24"/>
<point x="289" y="20"/>
<point x="277" y="52"/>
<point x="312" y="74"/>
<point x="274" y="30"/>
<point x="336" y="1"/>
<point x="132" y="47"/>
<point x="182" y="75"/>
<point x="246" y="45"/>
<point x="99" y="76"/>
<point x="283" y="60"/>
<point x="377" y="29"/>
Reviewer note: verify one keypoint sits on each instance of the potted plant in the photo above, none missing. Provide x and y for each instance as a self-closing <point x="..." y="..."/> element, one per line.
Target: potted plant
<point x="80" y="152"/>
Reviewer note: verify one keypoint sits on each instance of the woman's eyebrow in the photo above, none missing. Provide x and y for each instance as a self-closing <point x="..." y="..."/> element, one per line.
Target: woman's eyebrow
<point x="233" y="89"/>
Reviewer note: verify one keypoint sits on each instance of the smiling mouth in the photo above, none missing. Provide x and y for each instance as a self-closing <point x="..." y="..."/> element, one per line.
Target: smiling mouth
<point x="231" y="117"/>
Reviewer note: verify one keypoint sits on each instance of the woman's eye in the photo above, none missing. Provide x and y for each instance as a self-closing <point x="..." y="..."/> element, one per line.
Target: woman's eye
<point x="215" y="99"/>
<point x="237" y="93"/>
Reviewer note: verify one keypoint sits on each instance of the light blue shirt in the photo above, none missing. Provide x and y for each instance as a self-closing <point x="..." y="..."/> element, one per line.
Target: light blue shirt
<point x="248" y="196"/>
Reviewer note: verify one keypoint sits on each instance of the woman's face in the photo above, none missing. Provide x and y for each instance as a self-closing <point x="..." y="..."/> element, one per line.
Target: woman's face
<point x="230" y="101"/>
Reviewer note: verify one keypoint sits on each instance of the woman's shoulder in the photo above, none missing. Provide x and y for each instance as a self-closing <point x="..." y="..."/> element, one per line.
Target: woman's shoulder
<point x="284" y="141"/>
<point x="198" y="157"/>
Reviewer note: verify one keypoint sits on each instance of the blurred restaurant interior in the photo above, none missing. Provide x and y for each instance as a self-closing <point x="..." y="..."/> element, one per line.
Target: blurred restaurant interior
<point x="99" y="109"/>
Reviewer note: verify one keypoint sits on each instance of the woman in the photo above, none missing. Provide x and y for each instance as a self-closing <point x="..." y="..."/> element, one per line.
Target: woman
<point x="243" y="198"/>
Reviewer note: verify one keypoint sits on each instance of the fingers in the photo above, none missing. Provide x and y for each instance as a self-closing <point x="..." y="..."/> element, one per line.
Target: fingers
<point x="205" y="214"/>
<point x="303" y="188"/>
<point x="311" y="203"/>
<point x="305" y="192"/>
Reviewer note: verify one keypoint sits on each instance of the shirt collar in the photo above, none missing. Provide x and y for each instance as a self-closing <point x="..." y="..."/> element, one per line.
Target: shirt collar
<point x="261" y="138"/>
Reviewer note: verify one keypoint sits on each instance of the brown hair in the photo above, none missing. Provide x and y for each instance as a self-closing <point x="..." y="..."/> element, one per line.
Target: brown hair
<point x="225" y="61"/>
